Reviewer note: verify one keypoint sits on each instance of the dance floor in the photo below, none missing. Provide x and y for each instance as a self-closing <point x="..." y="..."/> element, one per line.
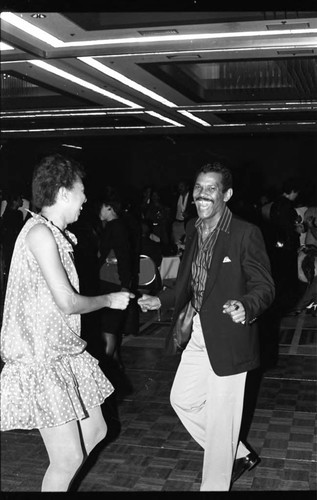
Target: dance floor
<point x="148" y="449"/>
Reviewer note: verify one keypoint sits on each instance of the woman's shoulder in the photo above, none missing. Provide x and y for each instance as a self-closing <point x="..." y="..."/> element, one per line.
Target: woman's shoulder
<point x="37" y="231"/>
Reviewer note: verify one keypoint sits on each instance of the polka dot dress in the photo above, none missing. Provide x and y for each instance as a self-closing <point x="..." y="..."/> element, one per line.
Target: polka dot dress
<point x="48" y="378"/>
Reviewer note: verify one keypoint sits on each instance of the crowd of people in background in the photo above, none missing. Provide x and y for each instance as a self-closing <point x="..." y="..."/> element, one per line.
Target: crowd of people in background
<point x="155" y="222"/>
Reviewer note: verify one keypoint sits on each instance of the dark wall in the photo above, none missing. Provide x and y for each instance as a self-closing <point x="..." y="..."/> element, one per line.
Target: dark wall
<point x="259" y="161"/>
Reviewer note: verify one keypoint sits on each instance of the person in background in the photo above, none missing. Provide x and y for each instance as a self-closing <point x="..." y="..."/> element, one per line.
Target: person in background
<point x="116" y="271"/>
<point x="146" y="200"/>
<point x="285" y="240"/>
<point x="132" y="222"/>
<point x="310" y="225"/>
<point x="11" y="224"/>
<point x="49" y="381"/>
<point x="300" y="207"/>
<point x="183" y="212"/>
<point x="157" y="216"/>
<point x="307" y="263"/>
<point x="25" y="207"/>
<point x="224" y="280"/>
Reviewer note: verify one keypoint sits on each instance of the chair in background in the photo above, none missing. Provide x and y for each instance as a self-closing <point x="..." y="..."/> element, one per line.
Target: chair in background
<point x="149" y="278"/>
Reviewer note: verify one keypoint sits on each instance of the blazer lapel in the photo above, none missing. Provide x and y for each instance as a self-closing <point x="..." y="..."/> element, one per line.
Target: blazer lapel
<point x="183" y="282"/>
<point x="220" y="251"/>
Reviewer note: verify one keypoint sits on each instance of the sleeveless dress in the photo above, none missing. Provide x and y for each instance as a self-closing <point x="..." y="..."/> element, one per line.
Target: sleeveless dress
<point x="48" y="378"/>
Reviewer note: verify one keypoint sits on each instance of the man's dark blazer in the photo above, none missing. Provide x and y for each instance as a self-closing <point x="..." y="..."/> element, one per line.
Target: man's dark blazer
<point x="239" y="270"/>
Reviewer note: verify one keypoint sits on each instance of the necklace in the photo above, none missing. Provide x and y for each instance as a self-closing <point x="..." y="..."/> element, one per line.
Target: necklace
<point x="63" y="232"/>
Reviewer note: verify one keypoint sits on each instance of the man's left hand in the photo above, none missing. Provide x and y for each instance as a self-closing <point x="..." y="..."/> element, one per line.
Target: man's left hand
<point x="236" y="311"/>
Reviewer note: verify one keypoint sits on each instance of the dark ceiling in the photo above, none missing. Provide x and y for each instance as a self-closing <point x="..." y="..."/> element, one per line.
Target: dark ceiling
<point x="120" y="73"/>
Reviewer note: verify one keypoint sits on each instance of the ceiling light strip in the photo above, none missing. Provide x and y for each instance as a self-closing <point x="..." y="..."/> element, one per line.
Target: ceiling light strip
<point x="79" y="81"/>
<point x="211" y="50"/>
<point x="125" y="81"/>
<point x="5" y="46"/>
<point x="189" y="37"/>
<point x="164" y="118"/>
<point x="72" y="146"/>
<point x="83" y="129"/>
<point x="76" y="110"/>
<point x="194" y="118"/>
<point x="31" y="29"/>
<point x="65" y="114"/>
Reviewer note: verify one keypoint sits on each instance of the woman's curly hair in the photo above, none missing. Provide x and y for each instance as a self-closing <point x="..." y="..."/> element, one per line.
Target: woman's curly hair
<point x="53" y="172"/>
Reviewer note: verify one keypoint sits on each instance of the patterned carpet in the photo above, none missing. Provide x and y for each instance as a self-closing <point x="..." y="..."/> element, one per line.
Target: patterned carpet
<point x="148" y="449"/>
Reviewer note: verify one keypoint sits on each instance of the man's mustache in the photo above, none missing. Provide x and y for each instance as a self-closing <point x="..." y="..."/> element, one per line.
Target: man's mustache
<point x="201" y="198"/>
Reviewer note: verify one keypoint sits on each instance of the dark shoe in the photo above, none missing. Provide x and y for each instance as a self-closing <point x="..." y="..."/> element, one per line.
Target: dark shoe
<point x="244" y="464"/>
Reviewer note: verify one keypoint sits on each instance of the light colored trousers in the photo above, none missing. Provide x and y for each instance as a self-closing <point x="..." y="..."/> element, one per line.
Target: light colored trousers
<point x="210" y="407"/>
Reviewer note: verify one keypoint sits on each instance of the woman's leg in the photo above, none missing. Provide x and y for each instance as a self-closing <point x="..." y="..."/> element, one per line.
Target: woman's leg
<point x="110" y="343"/>
<point x="93" y="428"/>
<point x="65" y="453"/>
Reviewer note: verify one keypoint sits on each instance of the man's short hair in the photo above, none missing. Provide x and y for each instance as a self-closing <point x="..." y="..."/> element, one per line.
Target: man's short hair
<point x="219" y="167"/>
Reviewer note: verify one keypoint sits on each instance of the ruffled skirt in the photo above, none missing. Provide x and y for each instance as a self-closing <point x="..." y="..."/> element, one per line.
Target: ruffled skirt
<point x="46" y="395"/>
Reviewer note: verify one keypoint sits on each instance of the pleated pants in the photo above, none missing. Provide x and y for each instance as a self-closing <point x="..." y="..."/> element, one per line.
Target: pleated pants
<point x="210" y="407"/>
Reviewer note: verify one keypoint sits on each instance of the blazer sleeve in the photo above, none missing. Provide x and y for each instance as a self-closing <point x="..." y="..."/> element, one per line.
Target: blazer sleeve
<point x="260" y="290"/>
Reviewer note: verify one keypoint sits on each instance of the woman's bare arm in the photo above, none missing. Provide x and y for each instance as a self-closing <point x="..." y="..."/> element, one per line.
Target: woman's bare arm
<point x="42" y="245"/>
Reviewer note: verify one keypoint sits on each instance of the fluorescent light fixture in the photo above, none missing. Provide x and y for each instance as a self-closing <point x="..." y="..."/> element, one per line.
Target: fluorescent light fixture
<point x="15" y="62"/>
<point x="188" y="37"/>
<point x="194" y="118"/>
<point x="74" y="111"/>
<point x="59" y="113"/>
<point x="5" y="46"/>
<point x="79" y="81"/>
<point x="164" y="118"/>
<point x="31" y="29"/>
<point x="208" y="51"/>
<point x="230" y="124"/>
<point x="71" y="146"/>
<point x="126" y="81"/>
<point x="83" y="129"/>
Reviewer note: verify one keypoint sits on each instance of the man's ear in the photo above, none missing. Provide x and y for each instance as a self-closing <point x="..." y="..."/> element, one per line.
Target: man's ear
<point x="228" y="194"/>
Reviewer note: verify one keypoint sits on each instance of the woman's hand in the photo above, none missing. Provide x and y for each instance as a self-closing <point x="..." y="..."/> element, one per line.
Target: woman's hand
<point x="119" y="300"/>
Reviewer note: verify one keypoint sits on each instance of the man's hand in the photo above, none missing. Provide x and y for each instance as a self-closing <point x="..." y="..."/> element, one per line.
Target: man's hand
<point x="119" y="300"/>
<point x="236" y="310"/>
<point x="149" y="303"/>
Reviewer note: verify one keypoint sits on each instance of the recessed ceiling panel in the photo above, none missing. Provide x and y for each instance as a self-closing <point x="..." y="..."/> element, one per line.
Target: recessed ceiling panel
<point x="19" y="91"/>
<point x="95" y="21"/>
<point x="241" y="80"/>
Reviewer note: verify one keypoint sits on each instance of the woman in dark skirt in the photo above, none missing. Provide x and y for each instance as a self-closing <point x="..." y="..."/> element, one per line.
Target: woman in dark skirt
<point x="115" y="271"/>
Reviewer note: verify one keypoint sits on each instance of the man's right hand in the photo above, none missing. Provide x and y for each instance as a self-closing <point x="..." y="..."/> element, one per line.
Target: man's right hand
<point x="149" y="303"/>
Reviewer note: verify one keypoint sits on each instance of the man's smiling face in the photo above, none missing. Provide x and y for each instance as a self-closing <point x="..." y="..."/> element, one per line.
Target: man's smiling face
<point x="209" y="197"/>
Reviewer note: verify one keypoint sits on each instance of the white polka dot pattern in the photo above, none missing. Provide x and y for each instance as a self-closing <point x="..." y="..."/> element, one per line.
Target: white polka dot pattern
<point x="48" y="377"/>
